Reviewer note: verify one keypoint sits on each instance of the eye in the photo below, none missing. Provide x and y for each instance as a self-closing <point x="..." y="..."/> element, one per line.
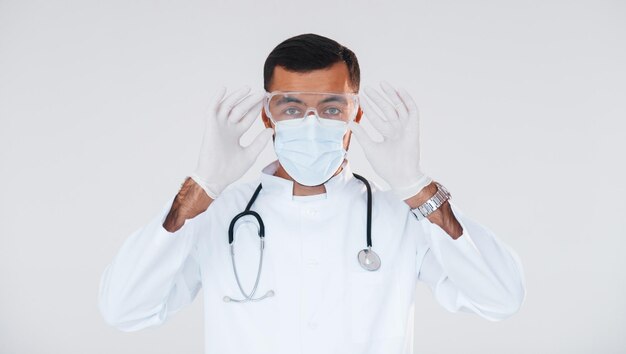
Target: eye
<point x="292" y="111"/>
<point x="333" y="111"/>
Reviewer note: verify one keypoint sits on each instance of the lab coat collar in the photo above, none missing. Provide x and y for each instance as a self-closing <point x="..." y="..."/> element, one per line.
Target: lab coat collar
<point x="284" y="187"/>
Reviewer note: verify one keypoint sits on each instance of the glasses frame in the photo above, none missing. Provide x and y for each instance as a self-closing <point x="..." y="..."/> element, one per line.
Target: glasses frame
<point x="351" y="95"/>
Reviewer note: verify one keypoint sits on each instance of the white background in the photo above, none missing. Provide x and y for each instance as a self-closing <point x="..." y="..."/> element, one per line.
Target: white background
<point x="522" y="110"/>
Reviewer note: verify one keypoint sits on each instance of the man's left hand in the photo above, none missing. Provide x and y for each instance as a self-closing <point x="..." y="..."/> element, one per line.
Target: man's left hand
<point x="397" y="157"/>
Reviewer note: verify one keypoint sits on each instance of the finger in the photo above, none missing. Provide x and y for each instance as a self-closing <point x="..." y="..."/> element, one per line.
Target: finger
<point x="387" y="108"/>
<point x="408" y="101"/>
<point x="254" y="149"/>
<point x="215" y="100"/>
<point x="253" y="113"/>
<point x="392" y="94"/>
<point x="241" y="108"/>
<point x="211" y="109"/>
<point x="411" y="105"/>
<point x="361" y="135"/>
<point x="383" y="127"/>
<point x="230" y="101"/>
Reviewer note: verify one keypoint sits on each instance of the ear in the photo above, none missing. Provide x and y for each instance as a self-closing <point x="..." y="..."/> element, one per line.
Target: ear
<point x="359" y="113"/>
<point x="346" y="138"/>
<point x="266" y="121"/>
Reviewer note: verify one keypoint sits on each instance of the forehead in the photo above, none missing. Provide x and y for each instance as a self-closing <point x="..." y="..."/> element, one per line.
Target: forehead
<point x="335" y="78"/>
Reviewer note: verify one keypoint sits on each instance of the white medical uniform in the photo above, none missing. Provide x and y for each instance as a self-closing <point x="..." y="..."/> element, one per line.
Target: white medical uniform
<point x="324" y="301"/>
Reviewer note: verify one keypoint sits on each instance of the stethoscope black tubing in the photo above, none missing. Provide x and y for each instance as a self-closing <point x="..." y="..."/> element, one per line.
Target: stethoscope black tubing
<point x="231" y="228"/>
<point x="262" y="226"/>
<point x="369" y="208"/>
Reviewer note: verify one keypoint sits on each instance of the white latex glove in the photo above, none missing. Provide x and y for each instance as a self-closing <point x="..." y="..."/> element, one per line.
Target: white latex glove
<point x="222" y="158"/>
<point x="397" y="158"/>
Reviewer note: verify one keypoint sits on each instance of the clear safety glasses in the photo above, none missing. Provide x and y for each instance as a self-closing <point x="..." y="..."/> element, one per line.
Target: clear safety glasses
<point x="296" y="105"/>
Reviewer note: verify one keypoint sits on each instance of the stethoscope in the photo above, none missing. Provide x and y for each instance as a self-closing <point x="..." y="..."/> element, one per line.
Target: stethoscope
<point x="368" y="259"/>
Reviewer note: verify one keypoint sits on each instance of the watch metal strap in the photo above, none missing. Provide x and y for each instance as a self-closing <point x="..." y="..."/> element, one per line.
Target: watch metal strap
<point x="432" y="204"/>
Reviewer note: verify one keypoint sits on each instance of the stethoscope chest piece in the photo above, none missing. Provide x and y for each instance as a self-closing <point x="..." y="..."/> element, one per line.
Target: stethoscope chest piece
<point x="368" y="259"/>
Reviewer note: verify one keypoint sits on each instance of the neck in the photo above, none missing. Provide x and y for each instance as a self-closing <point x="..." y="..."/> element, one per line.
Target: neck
<point x="299" y="189"/>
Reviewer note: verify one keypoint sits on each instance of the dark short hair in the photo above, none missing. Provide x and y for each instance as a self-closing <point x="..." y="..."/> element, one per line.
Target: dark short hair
<point x="308" y="52"/>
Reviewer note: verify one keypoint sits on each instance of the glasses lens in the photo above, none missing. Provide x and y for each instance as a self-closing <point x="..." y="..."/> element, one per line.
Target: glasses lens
<point x="288" y="106"/>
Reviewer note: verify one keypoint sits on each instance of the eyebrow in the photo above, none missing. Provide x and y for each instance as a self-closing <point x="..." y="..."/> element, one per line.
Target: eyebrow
<point x="335" y="98"/>
<point x="287" y="99"/>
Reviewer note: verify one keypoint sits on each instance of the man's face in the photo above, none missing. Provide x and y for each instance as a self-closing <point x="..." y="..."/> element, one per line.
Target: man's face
<point x="332" y="79"/>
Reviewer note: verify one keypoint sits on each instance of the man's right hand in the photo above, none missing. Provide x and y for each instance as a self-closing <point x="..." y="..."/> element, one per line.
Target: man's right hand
<point x="222" y="159"/>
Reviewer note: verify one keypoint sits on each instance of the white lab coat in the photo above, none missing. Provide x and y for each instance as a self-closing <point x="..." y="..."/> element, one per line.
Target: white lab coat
<point x="324" y="301"/>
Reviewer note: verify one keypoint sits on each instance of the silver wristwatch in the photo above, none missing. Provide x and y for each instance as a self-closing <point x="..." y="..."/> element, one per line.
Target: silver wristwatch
<point x="422" y="211"/>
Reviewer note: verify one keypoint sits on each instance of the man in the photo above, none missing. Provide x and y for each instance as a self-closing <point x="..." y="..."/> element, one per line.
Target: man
<point x="332" y="276"/>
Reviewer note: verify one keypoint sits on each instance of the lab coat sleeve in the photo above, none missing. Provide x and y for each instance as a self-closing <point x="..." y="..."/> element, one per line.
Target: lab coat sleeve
<point x="153" y="275"/>
<point x="475" y="273"/>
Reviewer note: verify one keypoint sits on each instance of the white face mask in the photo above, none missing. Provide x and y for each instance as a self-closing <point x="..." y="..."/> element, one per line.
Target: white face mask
<point x="309" y="151"/>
